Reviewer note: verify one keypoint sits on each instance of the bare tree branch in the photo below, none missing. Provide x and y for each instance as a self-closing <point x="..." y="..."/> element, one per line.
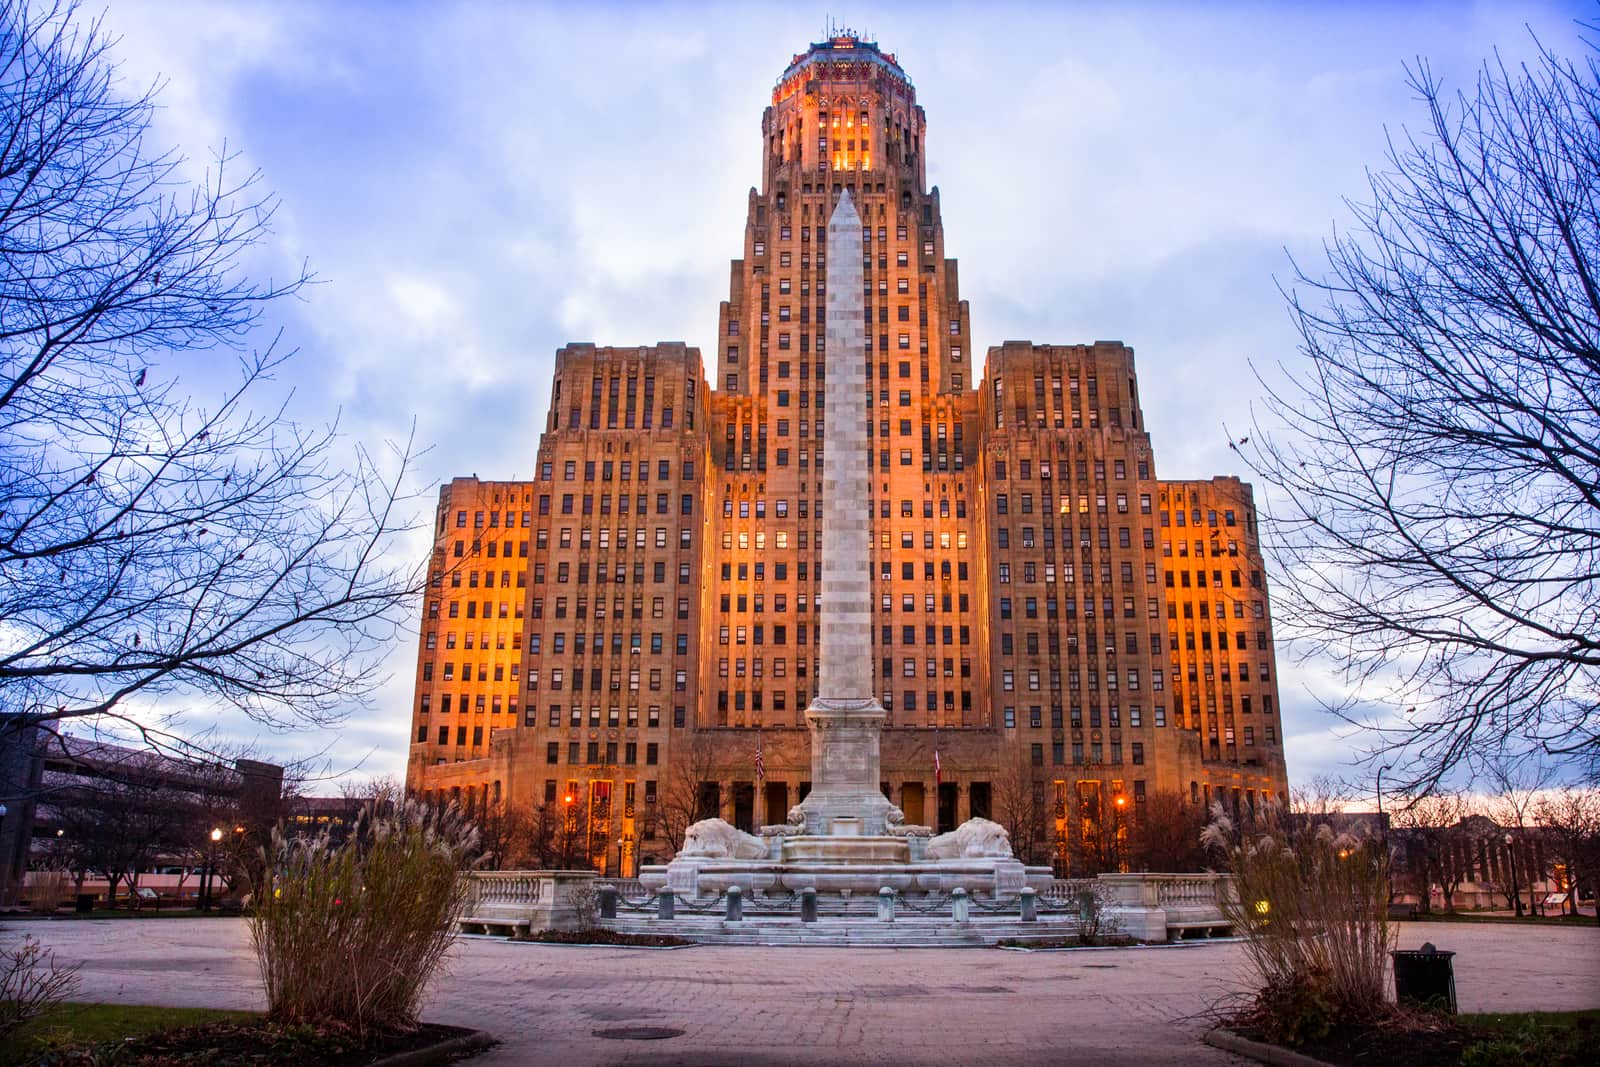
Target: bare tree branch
<point x="1437" y="464"/>
<point x="151" y="545"/>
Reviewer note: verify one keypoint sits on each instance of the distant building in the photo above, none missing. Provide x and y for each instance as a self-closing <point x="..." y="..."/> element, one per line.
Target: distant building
<point x="645" y="607"/>
<point x="310" y="816"/>
<point x="66" y="796"/>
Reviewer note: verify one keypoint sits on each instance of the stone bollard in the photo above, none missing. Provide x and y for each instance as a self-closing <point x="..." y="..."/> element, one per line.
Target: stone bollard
<point x="665" y="900"/>
<point x="886" y="905"/>
<point x="808" y="905"/>
<point x="608" y="902"/>
<point x="735" y="904"/>
<point x="960" y="905"/>
<point x="1030" y="906"/>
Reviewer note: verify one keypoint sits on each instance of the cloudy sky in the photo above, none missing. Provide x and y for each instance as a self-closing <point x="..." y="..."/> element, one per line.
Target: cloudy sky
<point x="477" y="184"/>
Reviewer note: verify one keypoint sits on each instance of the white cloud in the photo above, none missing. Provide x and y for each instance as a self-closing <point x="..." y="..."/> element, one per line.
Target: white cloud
<point x="481" y="183"/>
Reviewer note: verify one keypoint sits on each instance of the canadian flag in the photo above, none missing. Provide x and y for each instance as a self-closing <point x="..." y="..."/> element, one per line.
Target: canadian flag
<point x="938" y="769"/>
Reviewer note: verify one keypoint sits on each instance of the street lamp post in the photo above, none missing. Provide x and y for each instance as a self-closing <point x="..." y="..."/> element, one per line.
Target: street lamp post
<point x="568" y="832"/>
<point x="208" y="869"/>
<point x="1516" y="887"/>
<point x="1116" y="839"/>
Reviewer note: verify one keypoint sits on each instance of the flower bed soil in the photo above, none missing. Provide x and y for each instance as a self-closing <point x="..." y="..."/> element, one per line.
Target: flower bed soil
<point x="1118" y="941"/>
<point x="253" y="1044"/>
<point x="607" y="937"/>
<point x="1419" y="1039"/>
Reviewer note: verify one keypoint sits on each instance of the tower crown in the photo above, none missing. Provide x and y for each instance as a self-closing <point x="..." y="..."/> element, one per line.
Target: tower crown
<point x="841" y="57"/>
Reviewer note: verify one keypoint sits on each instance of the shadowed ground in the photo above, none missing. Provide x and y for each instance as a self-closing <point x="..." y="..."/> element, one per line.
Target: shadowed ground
<point x="818" y="1006"/>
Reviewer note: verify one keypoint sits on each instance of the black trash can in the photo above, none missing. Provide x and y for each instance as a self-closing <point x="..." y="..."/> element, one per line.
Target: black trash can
<point x="1425" y="976"/>
<point x="85" y="902"/>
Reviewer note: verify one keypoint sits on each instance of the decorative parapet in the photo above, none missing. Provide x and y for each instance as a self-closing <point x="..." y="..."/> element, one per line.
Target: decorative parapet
<point x="1155" y="907"/>
<point x="526" y="900"/>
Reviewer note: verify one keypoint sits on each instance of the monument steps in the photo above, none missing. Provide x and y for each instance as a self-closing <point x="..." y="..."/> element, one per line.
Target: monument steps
<point x="902" y="932"/>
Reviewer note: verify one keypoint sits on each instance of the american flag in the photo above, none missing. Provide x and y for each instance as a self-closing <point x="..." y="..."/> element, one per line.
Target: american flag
<point x="938" y="769"/>
<point x="761" y="763"/>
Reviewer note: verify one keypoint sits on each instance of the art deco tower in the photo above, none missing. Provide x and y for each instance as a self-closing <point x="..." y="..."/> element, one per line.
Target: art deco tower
<point x="844" y="116"/>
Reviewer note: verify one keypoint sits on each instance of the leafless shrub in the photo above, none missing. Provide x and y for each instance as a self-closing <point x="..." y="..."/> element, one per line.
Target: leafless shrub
<point x="585" y="902"/>
<point x="1312" y="905"/>
<point x="31" y="983"/>
<point x="1095" y="920"/>
<point x="48" y="890"/>
<point x="353" y="932"/>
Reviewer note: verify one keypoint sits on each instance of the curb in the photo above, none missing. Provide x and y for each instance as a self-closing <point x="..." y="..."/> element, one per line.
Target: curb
<point x="1197" y="943"/>
<point x="444" y="1052"/>
<point x="597" y="944"/>
<point x="1259" y="1051"/>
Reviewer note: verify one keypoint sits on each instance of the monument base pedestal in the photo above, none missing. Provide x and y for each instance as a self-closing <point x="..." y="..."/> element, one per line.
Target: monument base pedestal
<point x="842" y="864"/>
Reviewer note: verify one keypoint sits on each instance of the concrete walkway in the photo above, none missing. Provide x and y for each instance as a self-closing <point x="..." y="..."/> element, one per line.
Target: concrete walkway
<point x="819" y="1006"/>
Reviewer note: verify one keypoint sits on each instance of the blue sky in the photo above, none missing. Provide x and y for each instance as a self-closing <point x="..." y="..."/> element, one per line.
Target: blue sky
<point x="477" y="184"/>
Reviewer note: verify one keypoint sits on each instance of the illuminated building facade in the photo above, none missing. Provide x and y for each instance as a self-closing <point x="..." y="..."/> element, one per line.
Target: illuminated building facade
<point x="646" y="607"/>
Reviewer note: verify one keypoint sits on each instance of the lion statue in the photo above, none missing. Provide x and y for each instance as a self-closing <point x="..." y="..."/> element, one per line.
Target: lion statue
<point x="718" y="839"/>
<point x="973" y="838"/>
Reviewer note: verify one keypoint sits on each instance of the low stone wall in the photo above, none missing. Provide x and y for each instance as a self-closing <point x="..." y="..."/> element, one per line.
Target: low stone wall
<point x="522" y="901"/>
<point x="1160" y="907"/>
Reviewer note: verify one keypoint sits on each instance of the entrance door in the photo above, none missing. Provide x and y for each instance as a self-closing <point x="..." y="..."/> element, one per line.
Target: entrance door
<point x="744" y="806"/>
<point x="911" y="802"/>
<point x="708" y="805"/>
<point x="777" y="798"/>
<point x="980" y="800"/>
<point x="949" y="794"/>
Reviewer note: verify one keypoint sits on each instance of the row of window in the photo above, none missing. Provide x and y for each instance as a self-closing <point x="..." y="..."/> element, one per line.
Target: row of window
<point x="619" y="471"/>
<point x="570" y="500"/>
<point x="493" y="703"/>
<point x="600" y="680"/>
<point x="604" y="753"/>
<point x="1119" y="470"/>
<point x="1074" y="717"/>
<point x="581" y="644"/>
<point x="574" y="716"/>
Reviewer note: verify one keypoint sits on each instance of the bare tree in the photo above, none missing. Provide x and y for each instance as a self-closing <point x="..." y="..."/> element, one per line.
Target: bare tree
<point x="1571" y="819"/>
<point x="1020" y="805"/>
<point x="688" y="766"/>
<point x="115" y="825"/>
<point x="1425" y="846"/>
<point x="1517" y="785"/>
<point x="506" y="836"/>
<point x="1437" y="462"/>
<point x="151" y="544"/>
<point x="1166" y="833"/>
<point x="1099" y="844"/>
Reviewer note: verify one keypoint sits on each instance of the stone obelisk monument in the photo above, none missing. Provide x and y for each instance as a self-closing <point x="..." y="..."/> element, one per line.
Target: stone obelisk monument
<point x="846" y="718"/>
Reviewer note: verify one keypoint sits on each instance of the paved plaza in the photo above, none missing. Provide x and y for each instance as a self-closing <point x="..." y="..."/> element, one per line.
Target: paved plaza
<point x="737" y="1005"/>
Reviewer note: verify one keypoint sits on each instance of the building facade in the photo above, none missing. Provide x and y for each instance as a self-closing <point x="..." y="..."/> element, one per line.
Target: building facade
<point x="639" y="621"/>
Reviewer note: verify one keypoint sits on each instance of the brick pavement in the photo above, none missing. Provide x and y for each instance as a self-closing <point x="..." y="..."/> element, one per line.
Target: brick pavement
<point x="738" y="1005"/>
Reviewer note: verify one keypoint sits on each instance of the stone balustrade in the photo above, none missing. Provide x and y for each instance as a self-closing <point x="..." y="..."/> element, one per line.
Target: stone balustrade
<point x="518" y="902"/>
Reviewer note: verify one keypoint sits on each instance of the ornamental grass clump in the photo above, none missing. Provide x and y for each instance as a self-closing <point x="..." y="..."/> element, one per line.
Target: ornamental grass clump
<point x="349" y="934"/>
<point x="1311" y="903"/>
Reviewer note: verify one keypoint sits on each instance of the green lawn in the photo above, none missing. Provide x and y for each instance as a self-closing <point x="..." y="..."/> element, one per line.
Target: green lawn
<point x="1555" y="1020"/>
<point x="1542" y="1037"/>
<point x="1474" y="917"/>
<point x="122" y="913"/>
<point x="102" y="1022"/>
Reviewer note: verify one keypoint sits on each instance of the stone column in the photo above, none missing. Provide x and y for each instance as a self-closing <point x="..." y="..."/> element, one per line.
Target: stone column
<point x="846" y="718"/>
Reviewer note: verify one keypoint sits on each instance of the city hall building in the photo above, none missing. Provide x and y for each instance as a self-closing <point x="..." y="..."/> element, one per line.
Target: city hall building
<point x="1059" y="631"/>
